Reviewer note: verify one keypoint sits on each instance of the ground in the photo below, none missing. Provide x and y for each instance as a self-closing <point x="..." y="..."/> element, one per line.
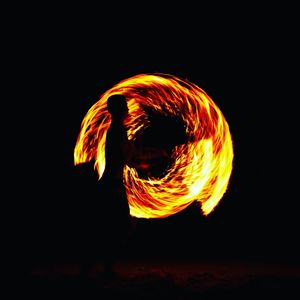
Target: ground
<point x="163" y="279"/>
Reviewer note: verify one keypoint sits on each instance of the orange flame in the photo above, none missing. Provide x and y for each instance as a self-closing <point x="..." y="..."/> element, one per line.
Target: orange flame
<point x="202" y="167"/>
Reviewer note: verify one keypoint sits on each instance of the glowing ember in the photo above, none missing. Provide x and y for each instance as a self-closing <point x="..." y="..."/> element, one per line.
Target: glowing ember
<point x="201" y="168"/>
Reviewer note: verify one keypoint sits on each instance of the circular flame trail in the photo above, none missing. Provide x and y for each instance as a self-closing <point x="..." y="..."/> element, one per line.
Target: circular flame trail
<point x="201" y="167"/>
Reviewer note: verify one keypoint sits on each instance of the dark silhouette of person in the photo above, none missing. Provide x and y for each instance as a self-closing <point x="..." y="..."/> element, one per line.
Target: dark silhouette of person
<point x="109" y="222"/>
<point x="118" y="153"/>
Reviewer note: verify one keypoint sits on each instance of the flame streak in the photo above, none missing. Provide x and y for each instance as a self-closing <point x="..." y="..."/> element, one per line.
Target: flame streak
<point x="202" y="167"/>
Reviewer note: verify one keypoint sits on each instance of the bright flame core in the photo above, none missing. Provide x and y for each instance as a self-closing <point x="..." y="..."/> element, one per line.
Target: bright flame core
<point x="202" y="167"/>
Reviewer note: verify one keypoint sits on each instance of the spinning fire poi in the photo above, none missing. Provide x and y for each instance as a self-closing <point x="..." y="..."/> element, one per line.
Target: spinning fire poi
<point x="201" y="167"/>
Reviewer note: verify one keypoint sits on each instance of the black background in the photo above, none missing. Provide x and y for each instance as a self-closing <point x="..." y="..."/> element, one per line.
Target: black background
<point x="62" y="64"/>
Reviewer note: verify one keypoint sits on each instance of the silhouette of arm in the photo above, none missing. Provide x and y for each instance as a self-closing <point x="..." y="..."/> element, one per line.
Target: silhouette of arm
<point x="132" y="151"/>
<point x="142" y="156"/>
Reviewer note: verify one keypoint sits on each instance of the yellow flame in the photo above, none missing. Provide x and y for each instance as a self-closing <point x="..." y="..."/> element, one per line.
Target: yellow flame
<point x="202" y="167"/>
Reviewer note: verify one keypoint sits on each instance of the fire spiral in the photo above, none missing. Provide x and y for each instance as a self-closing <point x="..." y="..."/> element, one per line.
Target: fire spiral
<point x="201" y="167"/>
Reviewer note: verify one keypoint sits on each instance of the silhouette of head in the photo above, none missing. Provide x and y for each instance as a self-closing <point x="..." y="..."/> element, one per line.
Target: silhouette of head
<point x="117" y="105"/>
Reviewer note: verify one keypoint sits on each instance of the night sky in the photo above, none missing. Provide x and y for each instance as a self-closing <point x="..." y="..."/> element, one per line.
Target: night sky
<point x="64" y="72"/>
